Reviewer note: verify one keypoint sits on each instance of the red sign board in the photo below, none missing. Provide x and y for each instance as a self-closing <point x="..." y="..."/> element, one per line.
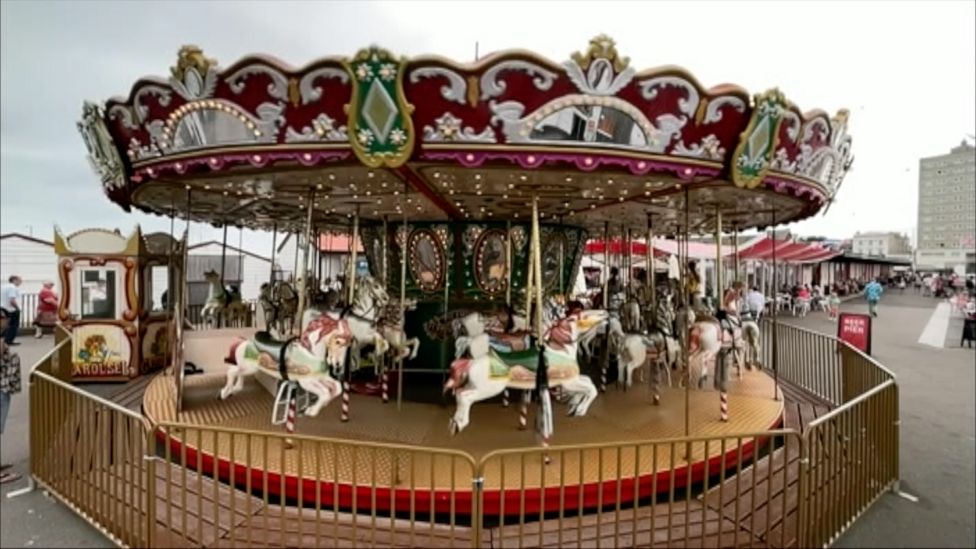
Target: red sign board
<point x="855" y="329"/>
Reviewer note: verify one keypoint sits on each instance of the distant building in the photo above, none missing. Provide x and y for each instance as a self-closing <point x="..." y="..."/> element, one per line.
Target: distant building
<point x="881" y="244"/>
<point x="30" y="258"/>
<point x="947" y="211"/>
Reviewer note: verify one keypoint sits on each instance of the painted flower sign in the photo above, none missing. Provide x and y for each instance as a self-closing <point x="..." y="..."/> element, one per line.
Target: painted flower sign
<point x="100" y="351"/>
<point x="381" y="130"/>
<point x="754" y="153"/>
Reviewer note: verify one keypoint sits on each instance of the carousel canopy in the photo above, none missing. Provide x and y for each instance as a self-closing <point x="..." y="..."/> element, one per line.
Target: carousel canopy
<point x="595" y="139"/>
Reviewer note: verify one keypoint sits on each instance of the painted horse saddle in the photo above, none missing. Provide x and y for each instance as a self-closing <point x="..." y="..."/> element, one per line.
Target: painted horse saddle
<point x="266" y="343"/>
<point x="522" y="365"/>
<point x="510" y="342"/>
<point x="731" y="329"/>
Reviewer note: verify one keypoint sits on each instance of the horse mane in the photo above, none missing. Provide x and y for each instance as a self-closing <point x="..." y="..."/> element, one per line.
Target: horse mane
<point x="324" y="323"/>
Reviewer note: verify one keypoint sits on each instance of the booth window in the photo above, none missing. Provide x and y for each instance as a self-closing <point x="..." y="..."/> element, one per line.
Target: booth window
<point x="98" y="294"/>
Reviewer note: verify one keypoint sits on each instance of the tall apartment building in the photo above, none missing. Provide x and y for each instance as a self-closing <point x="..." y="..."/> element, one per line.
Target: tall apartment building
<point x="947" y="211"/>
<point x="881" y="244"/>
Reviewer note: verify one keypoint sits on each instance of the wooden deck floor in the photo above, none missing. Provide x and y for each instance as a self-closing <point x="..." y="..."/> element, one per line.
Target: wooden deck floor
<point x="193" y="510"/>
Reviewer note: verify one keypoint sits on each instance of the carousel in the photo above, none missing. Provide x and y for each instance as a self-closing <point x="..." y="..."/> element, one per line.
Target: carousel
<point x="473" y="190"/>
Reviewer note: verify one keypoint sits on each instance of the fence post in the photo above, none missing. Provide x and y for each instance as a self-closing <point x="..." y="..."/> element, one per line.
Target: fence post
<point x="150" y="471"/>
<point x="477" y="491"/>
<point x="803" y="507"/>
<point x="893" y="411"/>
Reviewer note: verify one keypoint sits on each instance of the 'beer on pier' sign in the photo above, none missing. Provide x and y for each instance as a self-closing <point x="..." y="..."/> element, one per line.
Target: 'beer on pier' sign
<point x="855" y="329"/>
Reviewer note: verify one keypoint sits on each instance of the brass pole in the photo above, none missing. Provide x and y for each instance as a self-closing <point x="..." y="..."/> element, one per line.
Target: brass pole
<point x="508" y="263"/>
<point x="274" y="242"/>
<point x="735" y="252"/>
<point x="180" y="304"/>
<point x="562" y="261"/>
<point x="719" y="289"/>
<point x="351" y="278"/>
<point x="403" y="300"/>
<point x="294" y="271"/>
<point x="537" y="267"/>
<point x="529" y="280"/>
<point x="685" y="326"/>
<point x="223" y="262"/>
<point x="384" y="271"/>
<point x="629" y="259"/>
<point x="775" y="308"/>
<point x="170" y="283"/>
<point x="303" y="281"/>
<point x="606" y="265"/>
<point x="649" y="258"/>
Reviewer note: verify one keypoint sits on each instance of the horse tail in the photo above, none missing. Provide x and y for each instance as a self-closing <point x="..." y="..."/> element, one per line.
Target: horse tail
<point x="231" y="357"/>
<point x="459" y="374"/>
<point x="694" y="338"/>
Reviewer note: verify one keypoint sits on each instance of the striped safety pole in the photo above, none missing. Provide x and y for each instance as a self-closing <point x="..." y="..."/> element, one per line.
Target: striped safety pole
<point x="505" y="398"/>
<point x="384" y="383"/>
<point x="524" y="411"/>
<point x="345" y="400"/>
<point x="724" y="405"/>
<point x="290" y="417"/>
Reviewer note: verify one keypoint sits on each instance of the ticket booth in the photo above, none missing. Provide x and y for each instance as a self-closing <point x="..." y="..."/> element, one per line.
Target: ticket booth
<point x="111" y="301"/>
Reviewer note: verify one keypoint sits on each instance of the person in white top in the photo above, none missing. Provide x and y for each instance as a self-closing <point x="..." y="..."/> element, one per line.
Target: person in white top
<point x="755" y="302"/>
<point x="10" y="303"/>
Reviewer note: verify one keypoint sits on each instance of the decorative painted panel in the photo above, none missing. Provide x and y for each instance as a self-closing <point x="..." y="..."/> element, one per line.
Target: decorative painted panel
<point x="427" y="260"/>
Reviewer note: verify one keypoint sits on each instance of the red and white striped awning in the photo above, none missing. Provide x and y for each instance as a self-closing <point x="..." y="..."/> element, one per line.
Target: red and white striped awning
<point x="787" y="251"/>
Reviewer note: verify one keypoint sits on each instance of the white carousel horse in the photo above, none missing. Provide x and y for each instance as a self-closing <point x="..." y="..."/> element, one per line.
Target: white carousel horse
<point x="630" y="315"/>
<point x="369" y="300"/>
<point x="391" y="327"/>
<point x="308" y="359"/>
<point x="221" y="301"/>
<point x="280" y="304"/>
<point x="753" y="339"/>
<point x="487" y="373"/>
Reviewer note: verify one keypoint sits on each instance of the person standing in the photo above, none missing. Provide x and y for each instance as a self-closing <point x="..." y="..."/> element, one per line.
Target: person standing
<point x="9" y="385"/>
<point x="10" y="303"/>
<point x="756" y="302"/>
<point x="47" y="309"/>
<point x="873" y="293"/>
<point x="833" y="305"/>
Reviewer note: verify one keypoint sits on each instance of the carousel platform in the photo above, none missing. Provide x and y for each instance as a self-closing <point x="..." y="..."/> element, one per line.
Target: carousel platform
<point x="342" y="469"/>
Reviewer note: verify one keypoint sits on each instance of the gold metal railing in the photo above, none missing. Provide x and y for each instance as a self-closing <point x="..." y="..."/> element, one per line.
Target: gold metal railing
<point x="88" y="452"/>
<point x="776" y="488"/>
<point x="645" y="493"/>
<point x="850" y="454"/>
<point x="386" y="494"/>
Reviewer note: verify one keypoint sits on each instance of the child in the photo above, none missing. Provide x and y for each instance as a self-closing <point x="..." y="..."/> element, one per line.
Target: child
<point x="833" y="304"/>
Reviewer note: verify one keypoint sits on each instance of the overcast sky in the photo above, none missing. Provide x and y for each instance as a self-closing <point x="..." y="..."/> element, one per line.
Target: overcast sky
<point x="906" y="71"/>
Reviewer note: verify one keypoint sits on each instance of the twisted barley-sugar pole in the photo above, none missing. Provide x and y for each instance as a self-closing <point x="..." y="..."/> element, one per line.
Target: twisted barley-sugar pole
<point x="649" y="259"/>
<point x="350" y="297"/>
<point x="605" y="356"/>
<point x="542" y="383"/>
<point x="303" y="281"/>
<point x="508" y="287"/>
<point x="384" y="375"/>
<point x="529" y="285"/>
<point x="403" y="299"/>
<point x="179" y="302"/>
<point x="719" y="294"/>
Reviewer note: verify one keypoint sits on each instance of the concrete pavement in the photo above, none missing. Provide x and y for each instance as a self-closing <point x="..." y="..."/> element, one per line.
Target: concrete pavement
<point x="937" y="441"/>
